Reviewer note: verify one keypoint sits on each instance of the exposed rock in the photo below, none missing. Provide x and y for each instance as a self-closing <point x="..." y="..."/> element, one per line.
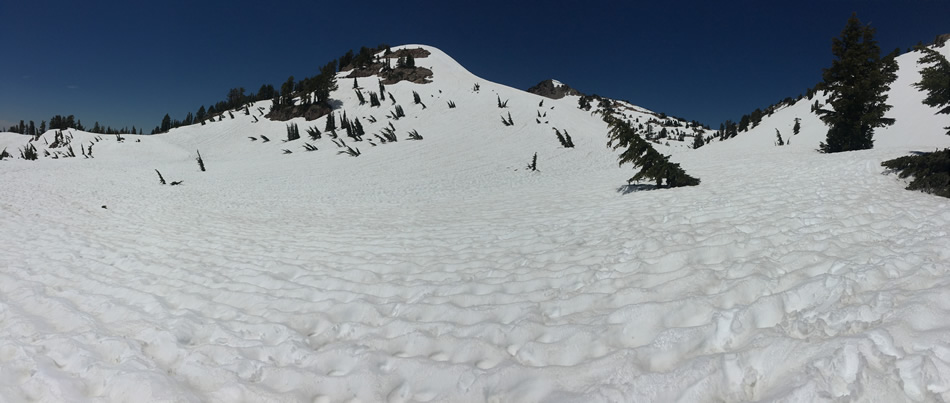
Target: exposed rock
<point x="418" y="75"/>
<point x="309" y="112"/>
<point x="553" y="89"/>
<point x="941" y="39"/>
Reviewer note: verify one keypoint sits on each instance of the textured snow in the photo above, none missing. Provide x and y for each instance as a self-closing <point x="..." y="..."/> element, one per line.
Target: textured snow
<point x="441" y="270"/>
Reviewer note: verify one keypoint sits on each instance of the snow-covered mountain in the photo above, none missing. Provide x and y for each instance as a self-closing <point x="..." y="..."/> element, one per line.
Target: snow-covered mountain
<point x="442" y="270"/>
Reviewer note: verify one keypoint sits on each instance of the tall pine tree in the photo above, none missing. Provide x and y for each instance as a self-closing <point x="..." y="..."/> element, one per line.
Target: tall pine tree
<point x="857" y="82"/>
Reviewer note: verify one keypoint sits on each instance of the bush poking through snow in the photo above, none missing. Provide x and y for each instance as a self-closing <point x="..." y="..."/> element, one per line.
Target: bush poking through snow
<point x="161" y="179"/>
<point x="398" y="113"/>
<point x="533" y="166"/>
<point x="350" y="151"/>
<point x="414" y="135"/>
<point x="451" y="105"/>
<point x="931" y="171"/>
<point x="565" y="139"/>
<point x="502" y="104"/>
<point x="373" y="99"/>
<point x="778" y="138"/>
<point x="417" y="100"/>
<point x="359" y="95"/>
<point x="201" y="162"/>
<point x="293" y="132"/>
<point x="509" y="121"/>
<point x="264" y="139"/>
<point x="309" y="147"/>
<point x="286" y="151"/>
<point x="28" y="153"/>
<point x="389" y="133"/>
<point x="89" y="150"/>
<point x="331" y="122"/>
<point x="4" y="154"/>
<point x="313" y="132"/>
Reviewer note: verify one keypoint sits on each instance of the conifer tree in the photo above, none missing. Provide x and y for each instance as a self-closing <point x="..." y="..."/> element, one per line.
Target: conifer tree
<point x="857" y="82"/>
<point x="166" y="123"/>
<point x="935" y="79"/>
<point x="637" y="151"/>
<point x="698" y="141"/>
<point x="797" y="127"/>
<point x="331" y="122"/>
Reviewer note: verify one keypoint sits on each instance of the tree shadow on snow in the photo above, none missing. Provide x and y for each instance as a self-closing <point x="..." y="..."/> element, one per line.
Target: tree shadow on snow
<point x="627" y="189"/>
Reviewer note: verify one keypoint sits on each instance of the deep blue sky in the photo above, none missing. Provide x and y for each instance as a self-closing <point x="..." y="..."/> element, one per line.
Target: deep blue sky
<point x="126" y="63"/>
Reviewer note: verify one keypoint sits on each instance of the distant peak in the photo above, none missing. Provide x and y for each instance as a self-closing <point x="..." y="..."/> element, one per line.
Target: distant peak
<point x="553" y="89"/>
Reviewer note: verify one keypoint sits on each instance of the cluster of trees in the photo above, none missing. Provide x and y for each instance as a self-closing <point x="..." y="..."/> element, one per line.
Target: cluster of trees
<point x="364" y="58"/>
<point x="59" y="122"/>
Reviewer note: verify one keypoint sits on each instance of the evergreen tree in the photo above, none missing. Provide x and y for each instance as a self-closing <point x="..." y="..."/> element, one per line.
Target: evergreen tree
<point x="857" y="82"/>
<point x="410" y="61"/>
<point x="43" y="126"/>
<point x="744" y="123"/>
<point x="286" y="89"/>
<point x="331" y="122"/>
<point x="698" y="141"/>
<point x="637" y="151"/>
<point x="935" y="80"/>
<point x="797" y="127"/>
<point x="166" y="123"/>
<point x="201" y="113"/>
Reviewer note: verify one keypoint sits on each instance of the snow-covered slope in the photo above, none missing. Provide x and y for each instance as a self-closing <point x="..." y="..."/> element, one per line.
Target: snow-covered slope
<point x="442" y="270"/>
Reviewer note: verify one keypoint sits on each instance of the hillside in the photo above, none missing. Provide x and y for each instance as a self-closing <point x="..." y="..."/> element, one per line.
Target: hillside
<point x="442" y="270"/>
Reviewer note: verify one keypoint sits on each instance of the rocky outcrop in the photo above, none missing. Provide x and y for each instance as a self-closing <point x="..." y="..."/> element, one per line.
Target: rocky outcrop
<point x="553" y="89"/>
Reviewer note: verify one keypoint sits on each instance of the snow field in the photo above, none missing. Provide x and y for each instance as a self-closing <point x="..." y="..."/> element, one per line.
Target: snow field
<point x="439" y="270"/>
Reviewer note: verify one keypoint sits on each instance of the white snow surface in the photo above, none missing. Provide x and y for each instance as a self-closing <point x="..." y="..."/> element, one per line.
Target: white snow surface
<point x="442" y="270"/>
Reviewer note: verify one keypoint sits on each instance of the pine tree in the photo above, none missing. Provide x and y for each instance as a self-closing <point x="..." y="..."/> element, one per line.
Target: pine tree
<point x="166" y="123"/>
<point x="637" y="151"/>
<point x="331" y="123"/>
<point x="410" y="61"/>
<point x="698" y="141"/>
<point x="935" y="80"/>
<point x="857" y="82"/>
<point x="797" y="127"/>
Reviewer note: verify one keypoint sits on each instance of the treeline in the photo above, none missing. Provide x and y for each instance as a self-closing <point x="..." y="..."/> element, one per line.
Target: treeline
<point x="730" y="129"/>
<point x="59" y="122"/>
<point x="312" y="91"/>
